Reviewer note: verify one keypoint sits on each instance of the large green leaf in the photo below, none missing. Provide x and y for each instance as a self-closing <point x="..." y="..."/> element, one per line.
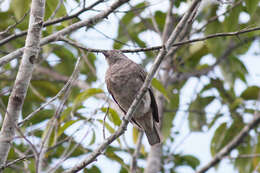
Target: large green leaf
<point x="183" y="160"/>
<point x="51" y="7"/>
<point x="84" y="96"/>
<point x="159" y="86"/>
<point x="223" y="135"/>
<point x="251" y="6"/>
<point x="65" y="126"/>
<point x="113" y="116"/>
<point x="216" y="142"/>
<point x="251" y="93"/>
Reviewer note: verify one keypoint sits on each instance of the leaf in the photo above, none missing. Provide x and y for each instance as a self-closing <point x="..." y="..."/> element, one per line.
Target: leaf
<point x="20" y="7"/>
<point x="51" y="7"/>
<point x="108" y="127"/>
<point x="113" y="116"/>
<point x="41" y="116"/>
<point x="159" y="86"/>
<point x="251" y="93"/>
<point x="110" y="153"/>
<point x="85" y="95"/>
<point x="197" y="115"/>
<point x="135" y="134"/>
<point x="93" y="169"/>
<point x="186" y="160"/>
<point x="224" y="135"/>
<point x="65" y="126"/>
<point x="231" y="20"/>
<point x="93" y="139"/>
<point x="218" y="138"/>
<point x="251" y="6"/>
<point x="245" y="164"/>
<point x="256" y="160"/>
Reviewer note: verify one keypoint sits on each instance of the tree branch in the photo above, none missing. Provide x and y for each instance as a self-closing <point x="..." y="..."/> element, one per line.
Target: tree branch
<point x="133" y="167"/>
<point x="23" y="78"/>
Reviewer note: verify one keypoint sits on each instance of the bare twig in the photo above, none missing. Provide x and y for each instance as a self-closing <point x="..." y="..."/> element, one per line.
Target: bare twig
<point x="133" y="166"/>
<point x="13" y="25"/>
<point x="104" y="123"/>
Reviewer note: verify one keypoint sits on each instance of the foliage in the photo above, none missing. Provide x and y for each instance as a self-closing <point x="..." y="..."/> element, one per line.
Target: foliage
<point x="215" y="105"/>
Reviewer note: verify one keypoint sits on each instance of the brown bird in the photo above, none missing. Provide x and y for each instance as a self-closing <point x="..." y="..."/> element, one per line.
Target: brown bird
<point x="124" y="78"/>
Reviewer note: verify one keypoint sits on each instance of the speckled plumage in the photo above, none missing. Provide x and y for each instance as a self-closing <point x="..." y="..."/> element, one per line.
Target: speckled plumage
<point x="124" y="78"/>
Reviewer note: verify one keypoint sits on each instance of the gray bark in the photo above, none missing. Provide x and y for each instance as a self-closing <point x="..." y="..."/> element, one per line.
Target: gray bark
<point x="16" y="99"/>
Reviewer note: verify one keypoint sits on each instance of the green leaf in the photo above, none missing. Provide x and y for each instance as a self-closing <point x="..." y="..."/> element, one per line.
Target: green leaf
<point x="110" y="153"/>
<point x="93" y="139"/>
<point x="197" y="115"/>
<point x="51" y="7"/>
<point x="85" y="95"/>
<point x="251" y="6"/>
<point x="231" y="21"/>
<point x="108" y="127"/>
<point x="20" y="7"/>
<point x="224" y="135"/>
<point x="113" y="116"/>
<point x="218" y="138"/>
<point x="135" y="134"/>
<point x="159" y="86"/>
<point x="186" y="160"/>
<point x="93" y="169"/>
<point x="65" y="126"/>
<point x="256" y="160"/>
<point x="251" y="93"/>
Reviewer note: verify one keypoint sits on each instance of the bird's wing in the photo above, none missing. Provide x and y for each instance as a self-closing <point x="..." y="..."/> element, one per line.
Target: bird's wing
<point x="110" y="91"/>
<point x="154" y="107"/>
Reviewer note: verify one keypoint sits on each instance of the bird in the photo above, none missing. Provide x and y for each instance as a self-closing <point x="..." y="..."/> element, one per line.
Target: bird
<point x="124" y="78"/>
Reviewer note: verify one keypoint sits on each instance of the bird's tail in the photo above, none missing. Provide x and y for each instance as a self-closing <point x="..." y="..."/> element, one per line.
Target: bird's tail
<point x="148" y="125"/>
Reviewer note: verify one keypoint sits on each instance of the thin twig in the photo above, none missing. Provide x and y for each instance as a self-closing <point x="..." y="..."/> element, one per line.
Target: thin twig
<point x="104" y="123"/>
<point x="14" y="25"/>
<point x="228" y="34"/>
<point x="133" y="166"/>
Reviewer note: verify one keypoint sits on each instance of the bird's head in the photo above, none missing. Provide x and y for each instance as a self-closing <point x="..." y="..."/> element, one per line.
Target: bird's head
<point x="112" y="56"/>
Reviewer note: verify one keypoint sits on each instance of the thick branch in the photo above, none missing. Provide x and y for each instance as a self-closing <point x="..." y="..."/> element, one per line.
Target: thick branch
<point x="23" y="78"/>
